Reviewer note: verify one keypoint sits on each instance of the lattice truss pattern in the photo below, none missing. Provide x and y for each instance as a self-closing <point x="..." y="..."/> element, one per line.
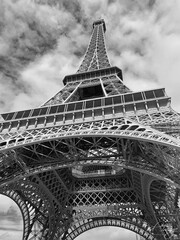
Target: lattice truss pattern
<point x="96" y="154"/>
<point x="96" y="56"/>
<point x="73" y="91"/>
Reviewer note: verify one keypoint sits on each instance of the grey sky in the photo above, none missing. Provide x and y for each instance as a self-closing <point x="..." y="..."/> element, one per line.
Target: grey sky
<point x="41" y="43"/>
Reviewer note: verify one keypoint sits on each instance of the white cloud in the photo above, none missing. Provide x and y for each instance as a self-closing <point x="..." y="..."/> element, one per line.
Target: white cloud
<point x="142" y="38"/>
<point x="5" y="202"/>
<point x="29" y="38"/>
<point x="9" y="235"/>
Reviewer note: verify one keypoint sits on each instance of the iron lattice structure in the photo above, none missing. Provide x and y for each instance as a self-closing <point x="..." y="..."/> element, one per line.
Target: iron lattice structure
<point x="96" y="154"/>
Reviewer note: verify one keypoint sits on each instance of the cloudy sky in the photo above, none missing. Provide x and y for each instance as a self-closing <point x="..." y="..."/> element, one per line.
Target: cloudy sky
<point x="41" y="41"/>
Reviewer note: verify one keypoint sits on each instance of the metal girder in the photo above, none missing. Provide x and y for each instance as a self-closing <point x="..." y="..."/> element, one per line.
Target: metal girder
<point x="146" y="109"/>
<point x="122" y="129"/>
<point x="35" y="206"/>
<point x="149" y="157"/>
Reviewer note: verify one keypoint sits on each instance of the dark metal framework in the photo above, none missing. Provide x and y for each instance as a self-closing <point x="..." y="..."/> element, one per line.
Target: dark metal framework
<point x="96" y="154"/>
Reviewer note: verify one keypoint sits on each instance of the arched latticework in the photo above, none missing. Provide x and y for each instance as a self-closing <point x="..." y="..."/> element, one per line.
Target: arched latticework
<point x="22" y="206"/>
<point x="36" y="207"/>
<point x="136" y="225"/>
<point x="165" y="202"/>
<point x="152" y="157"/>
<point x="117" y="127"/>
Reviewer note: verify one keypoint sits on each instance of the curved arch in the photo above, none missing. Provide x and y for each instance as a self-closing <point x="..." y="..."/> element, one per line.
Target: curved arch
<point x="22" y="206"/>
<point x="149" y="168"/>
<point x="136" y="225"/>
<point x="147" y="181"/>
<point x="160" y="198"/>
<point x="47" y="207"/>
<point x="27" y="209"/>
<point x="147" y="136"/>
<point x="164" y="202"/>
<point x="55" y="166"/>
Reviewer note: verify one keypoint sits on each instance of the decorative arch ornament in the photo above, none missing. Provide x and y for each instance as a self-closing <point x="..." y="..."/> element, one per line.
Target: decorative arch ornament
<point x="135" y="225"/>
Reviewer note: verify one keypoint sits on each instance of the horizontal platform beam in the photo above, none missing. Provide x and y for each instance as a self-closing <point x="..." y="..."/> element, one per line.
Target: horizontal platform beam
<point x="130" y="104"/>
<point x="93" y="74"/>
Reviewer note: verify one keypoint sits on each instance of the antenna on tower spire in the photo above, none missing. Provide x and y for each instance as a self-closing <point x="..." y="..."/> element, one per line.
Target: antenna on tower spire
<point x="98" y="22"/>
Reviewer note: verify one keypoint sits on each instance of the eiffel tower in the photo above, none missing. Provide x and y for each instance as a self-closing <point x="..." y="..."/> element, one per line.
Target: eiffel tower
<point x="95" y="154"/>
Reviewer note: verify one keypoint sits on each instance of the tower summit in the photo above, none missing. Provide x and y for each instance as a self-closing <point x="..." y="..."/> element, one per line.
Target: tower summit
<point x="96" y="56"/>
<point x="100" y="22"/>
<point x="95" y="76"/>
<point x="95" y="154"/>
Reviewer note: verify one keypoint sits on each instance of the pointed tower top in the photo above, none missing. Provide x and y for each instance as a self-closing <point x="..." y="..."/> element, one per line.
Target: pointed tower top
<point x="96" y="56"/>
<point x="100" y="21"/>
